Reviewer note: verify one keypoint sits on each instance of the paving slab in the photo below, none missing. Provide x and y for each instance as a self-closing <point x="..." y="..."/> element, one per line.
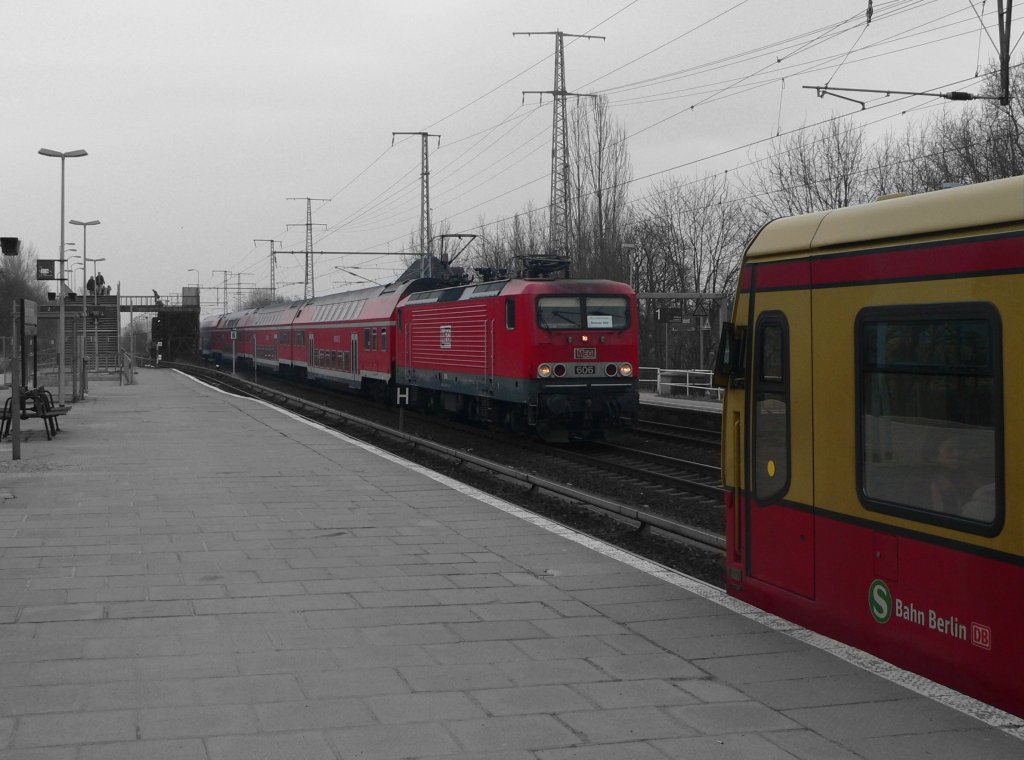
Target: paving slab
<point x="189" y="574"/>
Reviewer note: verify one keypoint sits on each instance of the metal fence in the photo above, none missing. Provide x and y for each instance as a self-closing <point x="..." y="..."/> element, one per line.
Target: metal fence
<point x="682" y="383"/>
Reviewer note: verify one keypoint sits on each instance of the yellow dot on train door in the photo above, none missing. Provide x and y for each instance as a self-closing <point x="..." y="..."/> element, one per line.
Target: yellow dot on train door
<point x="771" y="468"/>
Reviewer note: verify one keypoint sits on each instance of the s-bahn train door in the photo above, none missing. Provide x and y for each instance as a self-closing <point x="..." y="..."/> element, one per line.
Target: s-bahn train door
<point x="777" y="503"/>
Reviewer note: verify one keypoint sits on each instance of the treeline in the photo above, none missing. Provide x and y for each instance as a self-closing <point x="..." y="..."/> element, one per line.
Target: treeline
<point x="687" y="234"/>
<point x="17" y="280"/>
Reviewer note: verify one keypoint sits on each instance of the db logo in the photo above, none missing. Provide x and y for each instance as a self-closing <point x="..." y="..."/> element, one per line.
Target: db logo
<point x="981" y="636"/>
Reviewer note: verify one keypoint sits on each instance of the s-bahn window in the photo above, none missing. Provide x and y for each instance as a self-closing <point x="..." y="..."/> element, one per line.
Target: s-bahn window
<point x="582" y="312"/>
<point x="929" y="394"/>
<point x="366" y="338"/>
<point x="373" y="339"/>
<point x="510" y="314"/>
<point x="771" y="407"/>
<point x="383" y="339"/>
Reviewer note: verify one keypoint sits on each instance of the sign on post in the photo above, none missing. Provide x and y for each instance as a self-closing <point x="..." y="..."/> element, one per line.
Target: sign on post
<point x="28" y="312"/>
<point x="10" y="246"/>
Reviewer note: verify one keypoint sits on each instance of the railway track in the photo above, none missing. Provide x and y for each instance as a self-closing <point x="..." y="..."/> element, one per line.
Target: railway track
<point x="679" y="433"/>
<point x="657" y="492"/>
<point x="683" y="474"/>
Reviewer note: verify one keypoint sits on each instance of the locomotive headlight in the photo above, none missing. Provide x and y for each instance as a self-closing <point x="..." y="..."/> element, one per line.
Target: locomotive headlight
<point x="584" y="338"/>
<point x="626" y="370"/>
<point x="544" y="370"/>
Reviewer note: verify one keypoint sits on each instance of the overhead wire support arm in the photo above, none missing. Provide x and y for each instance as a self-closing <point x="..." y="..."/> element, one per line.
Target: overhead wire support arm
<point x="351" y="253"/>
<point x="460" y="236"/>
<point x="823" y="90"/>
<point x="1004" y="13"/>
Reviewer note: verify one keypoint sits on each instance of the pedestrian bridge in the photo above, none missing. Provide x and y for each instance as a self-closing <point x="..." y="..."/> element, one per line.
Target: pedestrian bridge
<point x="175" y="302"/>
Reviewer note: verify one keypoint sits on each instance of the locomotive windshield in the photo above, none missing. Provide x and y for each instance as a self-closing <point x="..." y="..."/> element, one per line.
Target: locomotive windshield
<point x="582" y="312"/>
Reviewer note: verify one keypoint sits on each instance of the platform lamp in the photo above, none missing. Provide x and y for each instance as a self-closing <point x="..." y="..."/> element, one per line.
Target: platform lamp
<point x="60" y="300"/>
<point x="85" y="257"/>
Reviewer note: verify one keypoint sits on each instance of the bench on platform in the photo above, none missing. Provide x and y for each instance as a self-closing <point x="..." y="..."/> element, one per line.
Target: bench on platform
<point x="35" y="403"/>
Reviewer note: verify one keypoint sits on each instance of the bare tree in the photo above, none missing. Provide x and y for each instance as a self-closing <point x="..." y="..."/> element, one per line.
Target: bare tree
<point x="18" y="280"/>
<point x="812" y="170"/>
<point x="499" y="246"/>
<point x="689" y="237"/>
<point x="261" y="297"/>
<point x="600" y="173"/>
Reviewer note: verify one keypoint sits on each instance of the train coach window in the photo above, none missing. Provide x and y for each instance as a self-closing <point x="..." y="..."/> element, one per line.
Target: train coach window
<point x="366" y="338"/>
<point x="771" y="407"/>
<point x="608" y="312"/>
<point x="929" y="395"/>
<point x="576" y="313"/>
<point x="510" y="314"/>
<point x="559" y="313"/>
<point x="383" y="339"/>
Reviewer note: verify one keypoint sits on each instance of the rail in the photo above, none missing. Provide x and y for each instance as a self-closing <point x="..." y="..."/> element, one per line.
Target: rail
<point x="687" y="383"/>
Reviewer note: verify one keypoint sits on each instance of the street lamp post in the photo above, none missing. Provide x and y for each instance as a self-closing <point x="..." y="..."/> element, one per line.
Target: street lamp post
<point x="197" y="276"/>
<point x="85" y="259"/>
<point x="60" y="289"/>
<point x="79" y="341"/>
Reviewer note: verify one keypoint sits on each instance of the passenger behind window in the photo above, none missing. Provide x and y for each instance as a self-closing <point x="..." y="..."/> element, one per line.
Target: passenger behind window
<point x="954" y="486"/>
<point x="947" y="489"/>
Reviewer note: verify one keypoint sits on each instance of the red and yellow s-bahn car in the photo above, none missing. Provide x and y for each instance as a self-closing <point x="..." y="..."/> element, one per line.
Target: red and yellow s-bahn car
<point x="873" y="429"/>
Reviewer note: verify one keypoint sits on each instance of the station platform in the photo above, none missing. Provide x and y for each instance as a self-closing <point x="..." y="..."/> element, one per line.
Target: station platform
<point x="187" y="574"/>
<point x="678" y="402"/>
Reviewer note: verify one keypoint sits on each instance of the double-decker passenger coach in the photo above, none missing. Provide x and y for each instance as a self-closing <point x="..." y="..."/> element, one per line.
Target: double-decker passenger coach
<point x="554" y="357"/>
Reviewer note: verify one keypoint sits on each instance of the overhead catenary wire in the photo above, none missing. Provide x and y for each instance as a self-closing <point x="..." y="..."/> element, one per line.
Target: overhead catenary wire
<point x="468" y="159"/>
<point x="371" y="205"/>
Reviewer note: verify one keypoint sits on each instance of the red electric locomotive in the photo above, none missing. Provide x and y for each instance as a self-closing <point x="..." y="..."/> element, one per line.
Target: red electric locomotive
<point x="554" y="357"/>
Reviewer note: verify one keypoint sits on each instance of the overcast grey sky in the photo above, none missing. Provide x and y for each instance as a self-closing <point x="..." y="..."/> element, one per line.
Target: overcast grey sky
<point x="202" y="116"/>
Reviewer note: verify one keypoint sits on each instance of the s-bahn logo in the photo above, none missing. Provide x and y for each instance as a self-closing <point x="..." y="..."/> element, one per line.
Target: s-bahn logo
<point x="880" y="601"/>
<point x="883" y="606"/>
<point x="446" y="336"/>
